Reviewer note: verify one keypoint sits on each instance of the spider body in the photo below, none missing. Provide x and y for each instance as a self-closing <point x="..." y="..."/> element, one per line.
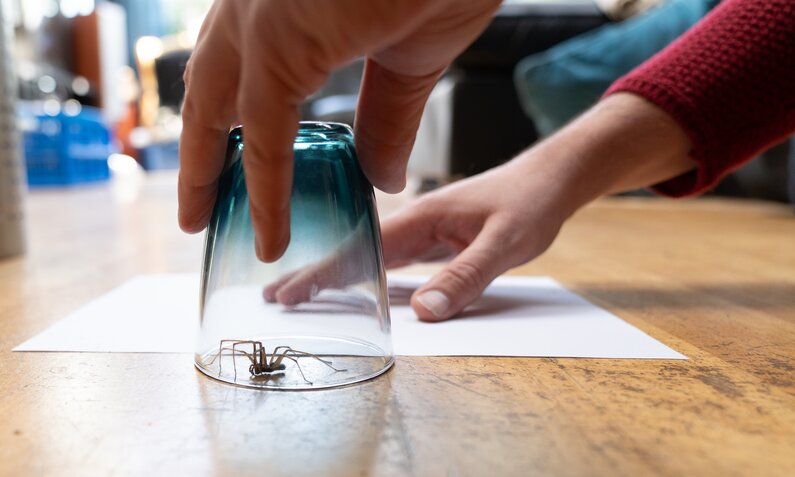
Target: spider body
<point x="257" y="370"/>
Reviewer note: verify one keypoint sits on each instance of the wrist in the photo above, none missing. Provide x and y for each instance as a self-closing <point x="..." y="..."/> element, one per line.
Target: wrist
<point x="622" y="143"/>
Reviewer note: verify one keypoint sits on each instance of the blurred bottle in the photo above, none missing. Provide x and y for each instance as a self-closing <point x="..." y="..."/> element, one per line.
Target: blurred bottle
<point x="12" y="236"/>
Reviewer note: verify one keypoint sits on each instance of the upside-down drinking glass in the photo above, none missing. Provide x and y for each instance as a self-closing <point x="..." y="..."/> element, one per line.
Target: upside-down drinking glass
<point x="318" y="317"/>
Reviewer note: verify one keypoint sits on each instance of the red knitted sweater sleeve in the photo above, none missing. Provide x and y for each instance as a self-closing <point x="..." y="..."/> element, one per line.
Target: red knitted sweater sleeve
<point x="729" y="82"/>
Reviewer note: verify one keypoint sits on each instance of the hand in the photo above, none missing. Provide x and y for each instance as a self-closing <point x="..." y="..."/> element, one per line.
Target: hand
<point x="486" y="224"/>
<point x="510" y="215"/>
<point x="256" y="61"/>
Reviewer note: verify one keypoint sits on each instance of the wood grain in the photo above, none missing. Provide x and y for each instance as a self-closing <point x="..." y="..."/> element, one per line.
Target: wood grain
<point x="713" y="279"/>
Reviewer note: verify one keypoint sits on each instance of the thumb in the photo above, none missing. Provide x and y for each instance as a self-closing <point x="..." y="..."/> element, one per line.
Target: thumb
<point x="461" y="282"/>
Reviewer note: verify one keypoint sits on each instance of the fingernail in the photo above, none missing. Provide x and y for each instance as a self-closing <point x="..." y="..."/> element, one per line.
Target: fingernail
<point x="435" y="301"/>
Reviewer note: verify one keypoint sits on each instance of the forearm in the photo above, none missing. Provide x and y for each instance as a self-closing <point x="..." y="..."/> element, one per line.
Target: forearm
<point x="729" y="83"/>
<point x="622" y="143"/>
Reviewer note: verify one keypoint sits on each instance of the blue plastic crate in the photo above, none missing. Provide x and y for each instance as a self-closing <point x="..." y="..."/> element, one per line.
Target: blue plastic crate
<point x="67" y="149"/>
<point x="159" y="156"/>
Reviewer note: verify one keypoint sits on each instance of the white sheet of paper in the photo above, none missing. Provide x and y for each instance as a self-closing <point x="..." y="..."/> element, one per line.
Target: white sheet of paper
<point x="517" y="316"/>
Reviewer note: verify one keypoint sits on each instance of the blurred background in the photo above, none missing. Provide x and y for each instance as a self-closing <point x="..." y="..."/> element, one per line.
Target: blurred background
<point x="98" y="86"/>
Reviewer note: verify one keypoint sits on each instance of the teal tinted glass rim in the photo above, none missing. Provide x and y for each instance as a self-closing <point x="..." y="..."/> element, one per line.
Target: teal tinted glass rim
<point x="309" y="132"/>
<point x="321" y="131"/>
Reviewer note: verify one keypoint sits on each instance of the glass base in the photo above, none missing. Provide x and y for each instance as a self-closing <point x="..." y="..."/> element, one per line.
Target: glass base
<point x="293" y="362"/>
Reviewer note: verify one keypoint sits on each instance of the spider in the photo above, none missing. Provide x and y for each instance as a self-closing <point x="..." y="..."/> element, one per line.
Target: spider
<point x="261" y="366"/>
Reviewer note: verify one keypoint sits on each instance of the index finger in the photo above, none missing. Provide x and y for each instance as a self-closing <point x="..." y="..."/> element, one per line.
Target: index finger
<point x="207" y="113"/>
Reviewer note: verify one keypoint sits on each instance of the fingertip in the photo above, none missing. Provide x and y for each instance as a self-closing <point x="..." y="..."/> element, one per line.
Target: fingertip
<point x="426" y="316"/>
<point x="191" y="225"/>
<point x="393" y="185"/>
<point x="294" y="291"/>
<point x="195" y="205"/>
<point x="269" y="293"/>
<point x="194" y="230"/>
<point x="269" y="251"/>
<point x="431" y="305"/>
<point x="388" y="173"/>
<point x="189" y="228"/>
<point x="287" y="298"/>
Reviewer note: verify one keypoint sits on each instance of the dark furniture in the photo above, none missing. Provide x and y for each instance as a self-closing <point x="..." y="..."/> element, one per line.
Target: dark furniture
<point x="489" y="126"/>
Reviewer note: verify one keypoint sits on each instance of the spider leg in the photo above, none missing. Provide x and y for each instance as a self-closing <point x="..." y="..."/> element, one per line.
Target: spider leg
<point x="297" y="366"/>
<point x="310" y="355"/>
<point x="216" y="355"/>
<point x="263" y="357"/>
<point x="276" y="358"/>
<point x="258" y="352"/>
<point x="221" y="350"/>
<point x="289" y="349"/>
<point x="251" y="357"/>
<point x="234" y="361"/>
<point x="276" y="350"/>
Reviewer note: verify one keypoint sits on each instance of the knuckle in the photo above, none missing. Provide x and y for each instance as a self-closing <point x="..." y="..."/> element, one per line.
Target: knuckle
<point x="210" y="114"/>
<point x="300" y="52"/>
<point x="508" y="234"/>
<point x="194" y="112"/>
<point x="186" y="75"/>
<point x="466" y="276"/>
<point x="247" y="111"/>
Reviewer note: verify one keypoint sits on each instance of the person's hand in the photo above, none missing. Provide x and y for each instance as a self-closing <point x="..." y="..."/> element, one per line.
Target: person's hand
<point x="508" y="216"/>
<point x="256" y="61"/>
<point x="485" y="225"/>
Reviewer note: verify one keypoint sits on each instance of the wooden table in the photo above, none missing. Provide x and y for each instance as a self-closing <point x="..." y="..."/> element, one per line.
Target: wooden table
<point x="713" y="279"/>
